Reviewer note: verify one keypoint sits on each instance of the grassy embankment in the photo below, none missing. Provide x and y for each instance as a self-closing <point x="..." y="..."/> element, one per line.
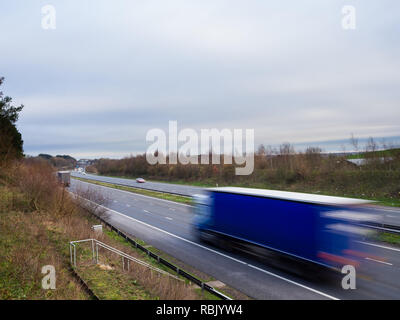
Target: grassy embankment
<point x="37" y="221"/>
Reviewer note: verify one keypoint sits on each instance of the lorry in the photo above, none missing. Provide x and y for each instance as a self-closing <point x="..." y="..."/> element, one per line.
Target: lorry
<point x="64" y="177"/>
<point x="316" y="229"/>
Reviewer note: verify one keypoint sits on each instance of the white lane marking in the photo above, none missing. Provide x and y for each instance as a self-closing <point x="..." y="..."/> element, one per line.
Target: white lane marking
<point x="390" y="264"/>
<point x="222" y="254"/>
<point x="137" y="194"/>
<point x="379" y="246"/>
<point x="171" y="209"/>
<point x="128" y="205"/>
<point x="168" y="218"/>
<point x="115" y="201"/>
<point x="146" y="211"/>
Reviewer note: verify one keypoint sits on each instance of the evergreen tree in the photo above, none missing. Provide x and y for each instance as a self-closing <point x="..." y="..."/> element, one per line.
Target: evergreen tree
<point x="11" y="144"/>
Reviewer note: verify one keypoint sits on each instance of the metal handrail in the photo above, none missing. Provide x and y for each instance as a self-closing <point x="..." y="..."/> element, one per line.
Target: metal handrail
<point x="200" y="283"/>
<point x="384" y="228"/>
<point x="96" y="243"/>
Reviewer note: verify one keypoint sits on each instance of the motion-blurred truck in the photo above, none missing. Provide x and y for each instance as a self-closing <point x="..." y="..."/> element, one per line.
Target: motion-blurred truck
<point x="64" y="177"/>
<point x="317" y="229"/>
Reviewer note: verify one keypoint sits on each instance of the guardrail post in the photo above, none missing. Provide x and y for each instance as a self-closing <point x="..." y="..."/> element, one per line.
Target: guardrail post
<point x="97" y="253"/>
<point x="74" y="256"/>
<point x="70" y="252"/>
<point x="92" y="250"/>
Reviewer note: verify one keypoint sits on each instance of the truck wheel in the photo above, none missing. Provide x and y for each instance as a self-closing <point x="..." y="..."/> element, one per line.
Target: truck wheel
<point x="225" y="244"/>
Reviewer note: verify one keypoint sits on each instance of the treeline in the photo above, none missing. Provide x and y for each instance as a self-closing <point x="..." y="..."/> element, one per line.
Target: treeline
<point x="280" y="168"/>
<point x="62" y="162"/>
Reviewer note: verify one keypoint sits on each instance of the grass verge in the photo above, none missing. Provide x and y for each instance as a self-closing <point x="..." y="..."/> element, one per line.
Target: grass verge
<point x="389" y="238"/>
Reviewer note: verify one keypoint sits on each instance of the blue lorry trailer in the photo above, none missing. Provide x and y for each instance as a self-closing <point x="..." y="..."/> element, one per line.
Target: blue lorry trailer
<point x="319" y="229"/>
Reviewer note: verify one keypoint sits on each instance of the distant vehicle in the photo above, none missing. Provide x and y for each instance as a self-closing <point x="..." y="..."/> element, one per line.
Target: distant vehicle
<point x="314" y="229"/>
<point x="64" y="177"/>
<point x="81" y="170"/>
<point x="140" y="180"/>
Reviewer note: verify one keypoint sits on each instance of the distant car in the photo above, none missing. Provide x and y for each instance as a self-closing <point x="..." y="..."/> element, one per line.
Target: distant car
<point x="140" y="180"/>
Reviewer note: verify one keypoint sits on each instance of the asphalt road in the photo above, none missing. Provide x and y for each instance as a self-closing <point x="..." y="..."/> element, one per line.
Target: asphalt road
<point x="168" y="226"/>
<point x="156" y="186"/>
<point x="389" y="216"/>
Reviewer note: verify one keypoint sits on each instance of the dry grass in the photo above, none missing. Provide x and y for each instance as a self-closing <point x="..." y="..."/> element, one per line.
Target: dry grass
<point x="38" y="219"/>
<point x="25" y="247"/>
<point x="157" y="286"/>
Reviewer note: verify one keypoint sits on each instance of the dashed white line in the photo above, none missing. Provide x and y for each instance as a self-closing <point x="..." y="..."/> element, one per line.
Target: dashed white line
<point x="168" y="218"/>
<point x="128" y="205"/>
<point x="146" y="211"/>
<point x="379" y="246"/>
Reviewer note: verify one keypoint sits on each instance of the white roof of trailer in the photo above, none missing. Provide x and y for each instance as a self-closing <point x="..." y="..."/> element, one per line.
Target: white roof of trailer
<point x="292" y="196"/>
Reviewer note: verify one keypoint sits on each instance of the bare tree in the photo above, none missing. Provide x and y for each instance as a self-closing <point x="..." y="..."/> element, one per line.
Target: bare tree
<point x="261" y="150"/>
<point x="354" y="142"/>
<point x="286" y="151"/>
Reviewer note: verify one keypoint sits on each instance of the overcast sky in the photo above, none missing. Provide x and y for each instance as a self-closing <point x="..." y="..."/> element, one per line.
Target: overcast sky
<point x="112" y="70"/>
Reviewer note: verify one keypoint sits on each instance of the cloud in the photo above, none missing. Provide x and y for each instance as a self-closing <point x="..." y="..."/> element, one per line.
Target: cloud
<point x="113" y="70"/>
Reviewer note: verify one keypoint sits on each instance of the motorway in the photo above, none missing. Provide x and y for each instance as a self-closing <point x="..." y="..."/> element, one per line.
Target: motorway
<point x="168" y="226"/>
<point x="390" y="216"/>
<point x="183" y="190"/>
